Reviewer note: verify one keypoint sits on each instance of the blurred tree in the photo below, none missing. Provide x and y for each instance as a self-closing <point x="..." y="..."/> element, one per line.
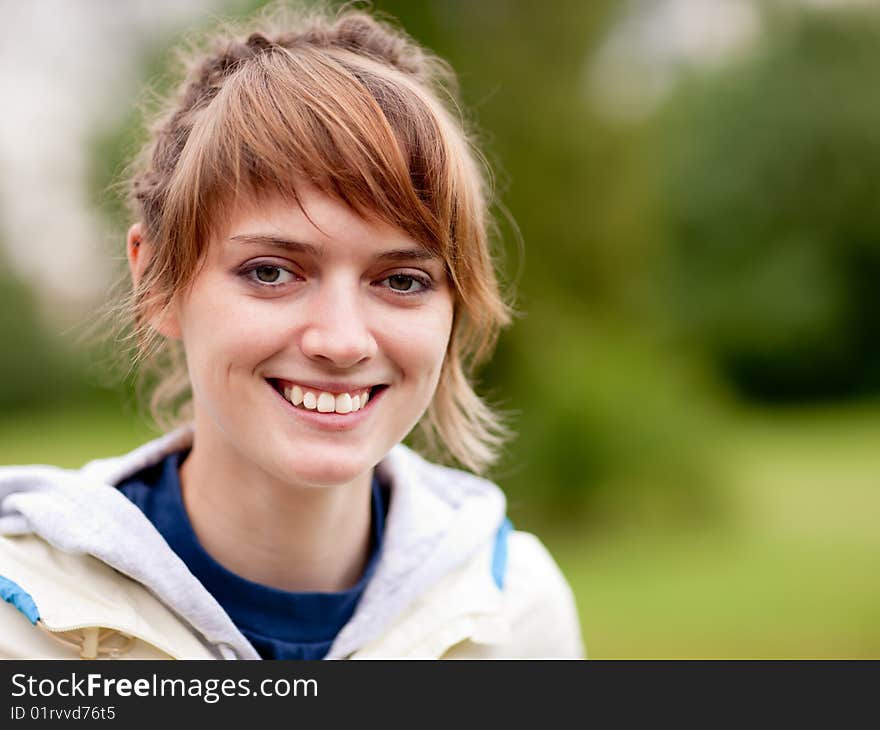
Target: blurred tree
<point x="768" y="178"/>
<point x="34" y="367"/>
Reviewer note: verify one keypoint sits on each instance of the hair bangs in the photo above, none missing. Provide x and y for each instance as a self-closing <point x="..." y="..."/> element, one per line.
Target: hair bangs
<point x="293" y="118"/>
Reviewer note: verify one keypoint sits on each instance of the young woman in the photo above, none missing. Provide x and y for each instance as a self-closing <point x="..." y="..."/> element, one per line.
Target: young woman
<point x="310" y="269"/>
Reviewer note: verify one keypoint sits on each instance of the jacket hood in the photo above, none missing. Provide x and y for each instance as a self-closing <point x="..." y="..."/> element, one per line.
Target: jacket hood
<point x="438" y="518"/>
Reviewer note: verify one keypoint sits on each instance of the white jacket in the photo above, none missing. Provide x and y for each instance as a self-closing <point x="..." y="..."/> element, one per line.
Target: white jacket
<point x="84" y="573"/>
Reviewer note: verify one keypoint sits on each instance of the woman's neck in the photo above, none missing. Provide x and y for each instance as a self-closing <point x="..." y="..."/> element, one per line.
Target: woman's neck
<point x="283" y="535"/>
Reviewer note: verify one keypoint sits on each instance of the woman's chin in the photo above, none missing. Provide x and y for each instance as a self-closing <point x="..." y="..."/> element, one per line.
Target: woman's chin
<point x="324" y="472"/>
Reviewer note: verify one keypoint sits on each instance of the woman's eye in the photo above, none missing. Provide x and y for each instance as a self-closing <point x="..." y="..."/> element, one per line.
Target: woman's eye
<point x="269" y="275"/>
<point x="405" y="283"/>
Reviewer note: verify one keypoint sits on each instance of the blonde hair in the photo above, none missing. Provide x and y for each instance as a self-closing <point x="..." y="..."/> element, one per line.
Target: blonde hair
<point x="352" y="106"/>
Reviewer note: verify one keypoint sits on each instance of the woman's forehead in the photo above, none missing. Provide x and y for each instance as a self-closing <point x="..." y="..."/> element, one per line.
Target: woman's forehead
<point x="316" y="224"/>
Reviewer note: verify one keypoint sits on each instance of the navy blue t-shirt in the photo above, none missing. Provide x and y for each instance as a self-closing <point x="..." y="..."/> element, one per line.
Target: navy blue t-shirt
<point x="279" y="624"/>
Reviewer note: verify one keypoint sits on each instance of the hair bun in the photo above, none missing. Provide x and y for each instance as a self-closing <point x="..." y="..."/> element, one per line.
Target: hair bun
<point x="357" y="31"/>
<point x="257" y="43"/>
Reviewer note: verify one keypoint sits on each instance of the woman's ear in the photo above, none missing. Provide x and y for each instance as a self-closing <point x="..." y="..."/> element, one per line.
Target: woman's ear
<point x="139" y="250"/>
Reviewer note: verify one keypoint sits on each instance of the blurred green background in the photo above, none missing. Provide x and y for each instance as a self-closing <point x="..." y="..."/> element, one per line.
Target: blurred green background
<point x="695" y="379"/>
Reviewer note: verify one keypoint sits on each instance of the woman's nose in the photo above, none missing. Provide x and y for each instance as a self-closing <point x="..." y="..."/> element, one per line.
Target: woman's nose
<point x="337" y="330"/>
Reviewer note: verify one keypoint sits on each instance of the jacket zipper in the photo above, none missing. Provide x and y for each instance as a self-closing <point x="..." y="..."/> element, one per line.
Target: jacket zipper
<point x="90" y="643"/>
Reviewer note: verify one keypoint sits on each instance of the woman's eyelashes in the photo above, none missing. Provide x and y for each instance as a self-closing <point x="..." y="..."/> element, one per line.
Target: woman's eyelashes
<point x="406" y="284"/>
<point x="267" y="275"/>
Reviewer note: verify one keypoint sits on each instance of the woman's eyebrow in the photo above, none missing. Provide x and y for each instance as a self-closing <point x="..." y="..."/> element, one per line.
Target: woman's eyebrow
<point x="397" y="254"/>
<point x="403" y="254"/>
<point x="277" y="241"/>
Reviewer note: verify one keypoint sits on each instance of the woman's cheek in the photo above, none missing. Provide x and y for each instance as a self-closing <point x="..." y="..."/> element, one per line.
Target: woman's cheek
<point x="247" y="325"/>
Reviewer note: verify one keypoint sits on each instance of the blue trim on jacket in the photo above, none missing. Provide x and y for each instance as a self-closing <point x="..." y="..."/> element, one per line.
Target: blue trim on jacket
<point x="499" y="555"/>
<point x="16" y="595"/>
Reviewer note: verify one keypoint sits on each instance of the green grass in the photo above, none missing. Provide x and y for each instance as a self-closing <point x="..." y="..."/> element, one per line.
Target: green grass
<point x="790" y="572"/>
<point x="69" y="435"/>
<point x="719" y="596"/>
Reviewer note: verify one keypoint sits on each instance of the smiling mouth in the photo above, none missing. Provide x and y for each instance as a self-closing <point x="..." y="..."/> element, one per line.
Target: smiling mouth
<point x="311" y="399"/>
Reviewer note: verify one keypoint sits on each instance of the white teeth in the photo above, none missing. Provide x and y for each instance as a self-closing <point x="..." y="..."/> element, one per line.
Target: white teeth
<point x="326" y="403"/>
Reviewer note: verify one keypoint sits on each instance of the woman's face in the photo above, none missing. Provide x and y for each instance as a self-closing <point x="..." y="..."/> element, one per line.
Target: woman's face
<point x="313" y="350"/>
